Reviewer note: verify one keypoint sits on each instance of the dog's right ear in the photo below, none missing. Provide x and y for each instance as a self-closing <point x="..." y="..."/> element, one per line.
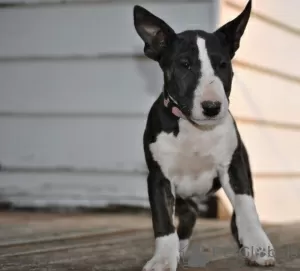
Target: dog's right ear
<point x="155" y="33"/>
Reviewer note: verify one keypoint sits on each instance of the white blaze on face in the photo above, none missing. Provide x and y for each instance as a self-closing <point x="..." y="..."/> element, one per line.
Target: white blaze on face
<point x="210" y="87"/>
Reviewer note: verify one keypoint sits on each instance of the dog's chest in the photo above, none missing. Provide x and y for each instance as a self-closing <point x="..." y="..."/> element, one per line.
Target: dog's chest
<point x="190" y="160"/>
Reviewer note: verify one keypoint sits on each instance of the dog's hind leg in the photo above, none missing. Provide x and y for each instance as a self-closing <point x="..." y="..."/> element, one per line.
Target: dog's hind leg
<point x="187" y="218"/>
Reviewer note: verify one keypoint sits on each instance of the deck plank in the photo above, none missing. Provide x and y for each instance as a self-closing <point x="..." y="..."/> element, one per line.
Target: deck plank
<point x="123" y="242"/>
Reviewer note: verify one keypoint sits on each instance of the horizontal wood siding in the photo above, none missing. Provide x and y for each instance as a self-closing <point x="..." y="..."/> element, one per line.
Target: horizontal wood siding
<point x="72" y="189"/>
<point x="266" y="88"/>
<point x="118" y="85"/>
<point x="274" y="47"/>
<point x="75" y="91"/>
<point x="89" y="29"/>
<point x="103" y="143"/>
<point x="264" y="97"/>
<point x="116" y="144"/>
<point x="90" y="87"/>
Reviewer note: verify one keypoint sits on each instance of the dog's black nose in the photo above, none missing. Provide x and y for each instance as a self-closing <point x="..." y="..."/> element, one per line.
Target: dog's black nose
<point x="210" y="108"/>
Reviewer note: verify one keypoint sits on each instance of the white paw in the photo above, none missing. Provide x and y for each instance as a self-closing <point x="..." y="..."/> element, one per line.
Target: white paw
<point x="166" y="254"/>
<point x="257" y="248"/>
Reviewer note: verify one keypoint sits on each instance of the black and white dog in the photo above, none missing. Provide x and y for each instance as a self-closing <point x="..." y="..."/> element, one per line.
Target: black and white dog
<point x="191" y="142"/>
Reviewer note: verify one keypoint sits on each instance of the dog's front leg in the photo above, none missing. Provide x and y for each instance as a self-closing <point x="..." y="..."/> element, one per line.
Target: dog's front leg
<point x="237" y="184"/>
<point x="162" y="203"/>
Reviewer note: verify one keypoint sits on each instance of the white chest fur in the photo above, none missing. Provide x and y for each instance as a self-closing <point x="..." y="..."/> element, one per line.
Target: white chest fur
<point x="190" y="160"/>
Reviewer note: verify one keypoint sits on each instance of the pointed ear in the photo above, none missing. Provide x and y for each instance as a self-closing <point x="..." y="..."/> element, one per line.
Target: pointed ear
<point x="231" y="33"/>
<point x="156" y="34"/>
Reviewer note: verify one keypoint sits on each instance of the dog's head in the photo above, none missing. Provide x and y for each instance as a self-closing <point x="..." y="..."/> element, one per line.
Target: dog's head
<point x="196" y="65"/>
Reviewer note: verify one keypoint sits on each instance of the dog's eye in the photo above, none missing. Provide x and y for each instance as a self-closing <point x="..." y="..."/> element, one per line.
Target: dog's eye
<point x="185" y="63"/>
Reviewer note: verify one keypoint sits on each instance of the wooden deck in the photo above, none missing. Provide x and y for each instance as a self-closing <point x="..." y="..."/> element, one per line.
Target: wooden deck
<point x="123" y="242"/>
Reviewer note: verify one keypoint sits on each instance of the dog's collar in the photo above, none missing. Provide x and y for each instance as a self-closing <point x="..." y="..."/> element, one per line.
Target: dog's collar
<point x="171" y="104"/>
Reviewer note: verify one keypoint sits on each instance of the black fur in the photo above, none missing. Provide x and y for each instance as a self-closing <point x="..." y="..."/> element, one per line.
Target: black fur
<point x="177" y="56"/>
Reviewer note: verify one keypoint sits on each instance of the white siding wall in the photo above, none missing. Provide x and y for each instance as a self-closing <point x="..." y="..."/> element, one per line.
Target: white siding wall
<point x="74" y="96"/>
<point x="272" y="94"/>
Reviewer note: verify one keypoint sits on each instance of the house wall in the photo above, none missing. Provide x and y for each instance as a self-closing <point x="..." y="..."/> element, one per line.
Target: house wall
<point x="75" y="91"/>
<point x="266" y="102"/>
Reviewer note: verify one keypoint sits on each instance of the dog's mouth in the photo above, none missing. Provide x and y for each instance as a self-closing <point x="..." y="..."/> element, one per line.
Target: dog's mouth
<point x="214" y="118"/>
<point x="208" y="120"/>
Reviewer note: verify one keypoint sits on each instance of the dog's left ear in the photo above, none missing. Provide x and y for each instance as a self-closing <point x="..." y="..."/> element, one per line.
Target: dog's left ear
<point x="231" y="33"/>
